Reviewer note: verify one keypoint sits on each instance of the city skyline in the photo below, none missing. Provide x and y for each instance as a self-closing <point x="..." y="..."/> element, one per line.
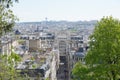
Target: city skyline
<point x="70" y="10"/>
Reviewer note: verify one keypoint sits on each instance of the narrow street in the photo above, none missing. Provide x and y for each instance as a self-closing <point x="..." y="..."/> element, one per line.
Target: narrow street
<point x="62" y="73"/>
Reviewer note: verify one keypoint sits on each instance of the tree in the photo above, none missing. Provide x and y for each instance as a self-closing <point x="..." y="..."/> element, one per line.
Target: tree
<point x="8" y="3"/>
<point x="7" y="68"/>
<point x="80" y="72"/>
<point x="7" y="21"/>
<point x="103" y="57"/>
<point x="7" y="18"/>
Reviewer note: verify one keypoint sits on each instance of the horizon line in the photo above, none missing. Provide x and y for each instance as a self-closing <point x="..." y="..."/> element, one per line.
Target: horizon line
<point x="57" y="21"/>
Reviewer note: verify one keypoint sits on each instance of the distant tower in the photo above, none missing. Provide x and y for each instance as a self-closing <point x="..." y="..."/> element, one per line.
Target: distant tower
<point x="46" y="20"/>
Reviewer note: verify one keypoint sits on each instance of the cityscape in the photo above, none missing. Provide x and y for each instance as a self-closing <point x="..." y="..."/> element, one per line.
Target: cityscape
<point x="59" y="40"/>
<point x="52" y="48"/>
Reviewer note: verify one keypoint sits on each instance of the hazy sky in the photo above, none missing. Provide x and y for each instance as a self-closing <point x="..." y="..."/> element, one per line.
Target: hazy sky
<point x="71" y="10"/>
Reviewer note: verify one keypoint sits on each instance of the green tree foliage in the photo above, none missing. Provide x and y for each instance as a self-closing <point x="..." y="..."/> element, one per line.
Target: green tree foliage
<point x="7" y="67"/>
<point x="7" y="21"/>
<point x="103" y="57"/>
<point x="7" y="3"/>
<point x="7" y="18"/>
<point x="79" y="70"/>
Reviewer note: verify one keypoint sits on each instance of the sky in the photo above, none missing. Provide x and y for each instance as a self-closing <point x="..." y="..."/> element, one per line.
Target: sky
<point x="70" y="10"/>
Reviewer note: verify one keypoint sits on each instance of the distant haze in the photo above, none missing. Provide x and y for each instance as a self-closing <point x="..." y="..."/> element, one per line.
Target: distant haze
<point x="70" y="10"/>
